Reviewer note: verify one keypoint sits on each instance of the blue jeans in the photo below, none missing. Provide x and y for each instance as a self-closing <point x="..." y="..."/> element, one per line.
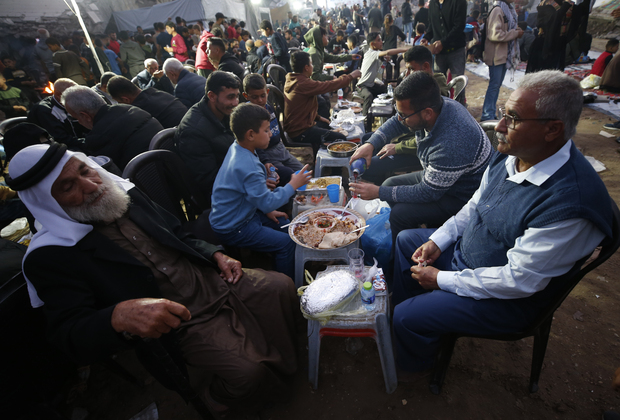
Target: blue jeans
<point x="496" y="78"/>
<point x="421" y="317"/>
<point x="264" y="235"/>
<point x="408" y="29"/>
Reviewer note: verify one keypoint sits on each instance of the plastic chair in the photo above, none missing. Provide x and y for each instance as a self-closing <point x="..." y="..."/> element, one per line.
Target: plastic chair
<point x="163" y="140"/>
<point x="325" y="160"/>
<point x="10" y="123"/>
<point x="276" y="99"/>
<point x="458" y="83"/>
<point x="374" y="325"/>
<point x="162" y="176"/>
<point x="541" y="327"/>
<point x="303" y="255"/>
<point x="135" y="81"/>
<point x="277" y="74"/>
<point x="489" y="127"/>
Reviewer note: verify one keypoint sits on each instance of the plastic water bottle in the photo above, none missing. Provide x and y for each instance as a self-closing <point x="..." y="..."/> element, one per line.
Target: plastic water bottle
<point x="368" y="296"/>
<point x="390" y="91"/>
<point x="340" y="94"/>
<point x="272" y="173"/>
<point x="358" y="167"/>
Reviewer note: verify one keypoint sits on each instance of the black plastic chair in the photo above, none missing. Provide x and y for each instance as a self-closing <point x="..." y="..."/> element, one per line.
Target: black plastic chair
<point x="162" y="176"/>
<point x="10" y="123"/>
<point x="163" y="140"/>
<point x="489" y="128"/>
<point x="541" y="327"/>
<point x="458" y="83"/>
<point x="277" y="74"/>
<point x="276" y="99"/>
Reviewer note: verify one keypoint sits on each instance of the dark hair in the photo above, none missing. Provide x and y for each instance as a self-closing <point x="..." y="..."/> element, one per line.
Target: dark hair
<point x="244" y="33"/>
<point x="353" y="39"/>
<point x="140" y="39"/>
<point x="219" y="80"/>
<point x="184" y="29"/>
<point x="52" y="41"/>
<point x="242" y="24"/>
<point x="171" y="24"/>
<point x="178" y="19"/>
<point x="288" y="31"/>
<point x="419" y="54"/>
<point x="421" y="3"/>
<point x="611" y="43"/>
<point x="233" y="21"/>
<point x="160" y="26"/>
<point x="196" y="27"/>
<point x="475" y="13"/>
<point x="420" y="28"/>
<point x="253" y="81"/>
<point x="105" y="78"/>
<point x="265" y="24"/>
<point x="210" y="24"/>
<point x="340" y="33"/>
<point x="420" y="89"/>
<point x="247" y="117"/>
<point x="123" y="35"/>
<point x="218" y="42"/>
<point x="217" y="33"/>
<point x="299" y="60"/>
<point x="98" y="42"/>
<point x="372" y="36"/>
<point x="522" y="25"/>
<point x="120" y="86"/>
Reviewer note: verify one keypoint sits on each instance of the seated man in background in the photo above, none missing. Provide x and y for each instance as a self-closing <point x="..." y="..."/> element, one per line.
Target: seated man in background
<point x="113" y="267"/>
<point x="400" y="152"/>
<point x="451" y="147"/>
<point x="337" y="44"/>
<point x="51" y="115"/>
<point x="539" y="209"/>
<point x="252" y="59"/>
<point x="120" y="132"/>
<point x="222" y="60"/>
<point x="203" y="136"/>
<point x="189" y="87"/>
<point x="13" y="102"/>
<point x="151" y="76"/>
<point x="162" y="106"/>
<point x="101" y="88"/>
<point x="255" y="91"/>
<point x="301" y="119"/>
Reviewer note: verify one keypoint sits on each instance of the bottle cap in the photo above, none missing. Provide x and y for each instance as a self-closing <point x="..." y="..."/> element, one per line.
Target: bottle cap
<point x="367" y="285"/>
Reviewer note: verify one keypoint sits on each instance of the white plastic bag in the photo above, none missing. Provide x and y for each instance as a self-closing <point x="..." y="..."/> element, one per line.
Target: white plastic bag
<point x="590" y="82"/>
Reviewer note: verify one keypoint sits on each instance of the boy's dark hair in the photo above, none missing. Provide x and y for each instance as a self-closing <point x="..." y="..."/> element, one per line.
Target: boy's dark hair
<point x="210" y="24"/>
<point x="522" y="25"/>
<point x="372" y="36"/>
<point x="420" y="89"/>
<point x="242" y="24"/>
<point x="184" y="29"/>
<point x="340" y="33"/>
<point x="353" y="40"/>
<point x="247" y="117"/>
<point x="244" y="33"/>
<point x="220" y="80"/>
<point x="171" y="24"/>
<point x="140" y="39"/>
<point x="123" y="35"/>
<point x="475" y="13"/>
<point x="611" y="43"/>
<point x="121" y="86"/>
<point x="178" y="19"/>
<point x="265" y="24"/>
<point x="254" y="81"/>
<point x="233" y="21"/>
<point x="299" y="60"/>
<point x="217" y="42"/>
<point x="98" y="42"/>
<point x="160" y="26"/>
<point x="52" y="41"/>
<point x="421" y="3"/>
<point x="105" y="78"/>
<point x="420" y="28"/>
<point x="217" y="33"/>
<point x="419" y="54"/>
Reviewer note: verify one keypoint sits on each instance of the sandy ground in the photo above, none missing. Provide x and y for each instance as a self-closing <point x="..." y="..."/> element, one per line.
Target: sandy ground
<point x="486" y="380"/>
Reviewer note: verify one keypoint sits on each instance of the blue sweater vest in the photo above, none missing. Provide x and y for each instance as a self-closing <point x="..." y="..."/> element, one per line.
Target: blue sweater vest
<point x="507" y="209"/>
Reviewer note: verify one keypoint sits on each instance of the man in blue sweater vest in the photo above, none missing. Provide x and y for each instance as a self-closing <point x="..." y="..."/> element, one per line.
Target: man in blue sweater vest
<point x="243" y="210"/>
<point x="539" y="209"/>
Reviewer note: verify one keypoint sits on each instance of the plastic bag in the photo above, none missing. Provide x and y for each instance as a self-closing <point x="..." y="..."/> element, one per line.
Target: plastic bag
<point x="377" y="239"/>
<point x="590" y="82"/>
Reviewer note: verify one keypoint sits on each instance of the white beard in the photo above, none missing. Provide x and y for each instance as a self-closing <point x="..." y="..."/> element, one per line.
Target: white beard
<point x="112" y="206"/>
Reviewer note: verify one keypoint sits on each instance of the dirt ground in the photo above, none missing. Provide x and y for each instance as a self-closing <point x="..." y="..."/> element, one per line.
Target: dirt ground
<point x="486" y="379"/>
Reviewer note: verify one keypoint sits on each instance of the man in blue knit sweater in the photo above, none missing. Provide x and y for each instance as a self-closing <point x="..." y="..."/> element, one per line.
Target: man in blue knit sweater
<point x="452" y="148"/>
<point x="539" y="209"/>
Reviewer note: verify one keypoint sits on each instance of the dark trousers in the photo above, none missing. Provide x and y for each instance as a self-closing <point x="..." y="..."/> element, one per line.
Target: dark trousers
<point x="381" y="169"/>
<point x="422" y="317"/>
<point x="369" y="94"/>
<point x="317" y="135"/>
<point x="324" y="105"/>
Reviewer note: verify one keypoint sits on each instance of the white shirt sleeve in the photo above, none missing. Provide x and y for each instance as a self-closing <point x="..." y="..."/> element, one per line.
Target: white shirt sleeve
<point x="538" y="256"/>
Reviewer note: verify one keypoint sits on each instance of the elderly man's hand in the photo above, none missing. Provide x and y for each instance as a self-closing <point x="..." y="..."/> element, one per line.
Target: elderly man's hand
<point x="158" y="74"/>
<point x="365" y="151"/>
<point x="364" y="190"/>
<point x="148" y="317"/>
<point x="437" y="47"/>
<point x="425" y="276"/>
<point x="427" y="253"/>
<point x="230" y="268"/>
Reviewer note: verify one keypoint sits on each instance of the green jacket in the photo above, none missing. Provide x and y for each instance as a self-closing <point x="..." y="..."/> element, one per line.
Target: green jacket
<point x="319" y="56"/>
<point x="406" y="144"/>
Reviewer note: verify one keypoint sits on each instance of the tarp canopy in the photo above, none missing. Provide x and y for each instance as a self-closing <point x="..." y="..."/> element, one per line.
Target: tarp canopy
<point x="190" y="10"/>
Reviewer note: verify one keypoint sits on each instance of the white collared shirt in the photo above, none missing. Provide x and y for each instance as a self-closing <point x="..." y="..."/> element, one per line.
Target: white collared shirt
<point x="537" y="256"/>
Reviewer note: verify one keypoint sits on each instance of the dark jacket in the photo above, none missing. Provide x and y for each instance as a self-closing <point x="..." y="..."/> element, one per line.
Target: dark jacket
<point x="121" y="132"/>
<point x="52" y="116"/>
<point x="421" y="17"/>
<point x="82" y="284"/>
<point x="162" y="106"/>
<point x="253" y="60"/>
<point x="231" y="63"/>
<point x="390" y="40"/>
<point x="407" y="13"/>
<point x="145" y="80"/>
<point x="375" y="18"/>
<point x="447" y="24"/>
<point x="202" y="141"/>
<point x="280" y="50"/>
<point x="190" y="88"/>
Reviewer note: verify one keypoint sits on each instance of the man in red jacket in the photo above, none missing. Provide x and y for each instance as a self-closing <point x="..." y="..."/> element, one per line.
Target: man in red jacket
<point x="203" y="65"/>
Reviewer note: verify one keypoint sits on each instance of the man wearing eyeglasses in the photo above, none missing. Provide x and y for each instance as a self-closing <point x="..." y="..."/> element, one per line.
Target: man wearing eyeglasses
<point x="539" y="209"/>
<point x="451" y="146"/>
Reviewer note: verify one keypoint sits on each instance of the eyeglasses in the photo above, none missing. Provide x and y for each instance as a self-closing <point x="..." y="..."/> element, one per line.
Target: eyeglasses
<point x="511" y="120"/>
<point x="402" y="117"/>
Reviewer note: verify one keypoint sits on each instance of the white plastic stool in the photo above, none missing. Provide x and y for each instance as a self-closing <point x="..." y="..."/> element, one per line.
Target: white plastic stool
<point x="303" y="254"/>
<point x="373" y="324"/>
<point x="325" y="160"/>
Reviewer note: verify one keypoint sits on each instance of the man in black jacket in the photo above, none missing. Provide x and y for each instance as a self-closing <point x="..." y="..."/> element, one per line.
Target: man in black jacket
<point x="224" y="61"/>
<point x="112" y="267"/>
<point x="445" y="34"/>
<point x="204" y="136"/>
<point x="120" y="132"/>
<point x="189" y="87"/>
<point x="151" y="76"/>
<point x="278" y="43"/>
<point x="51" y="115"/>
<point x="252" y="58"/>
<point x="162" y="106"/>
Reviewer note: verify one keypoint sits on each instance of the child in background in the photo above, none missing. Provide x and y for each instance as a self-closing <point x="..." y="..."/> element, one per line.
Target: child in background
<point x="255" y="90"/>
<point x="601" y="62"/>
<point x="243" y="211"/>
<point x="420" y="30"/>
